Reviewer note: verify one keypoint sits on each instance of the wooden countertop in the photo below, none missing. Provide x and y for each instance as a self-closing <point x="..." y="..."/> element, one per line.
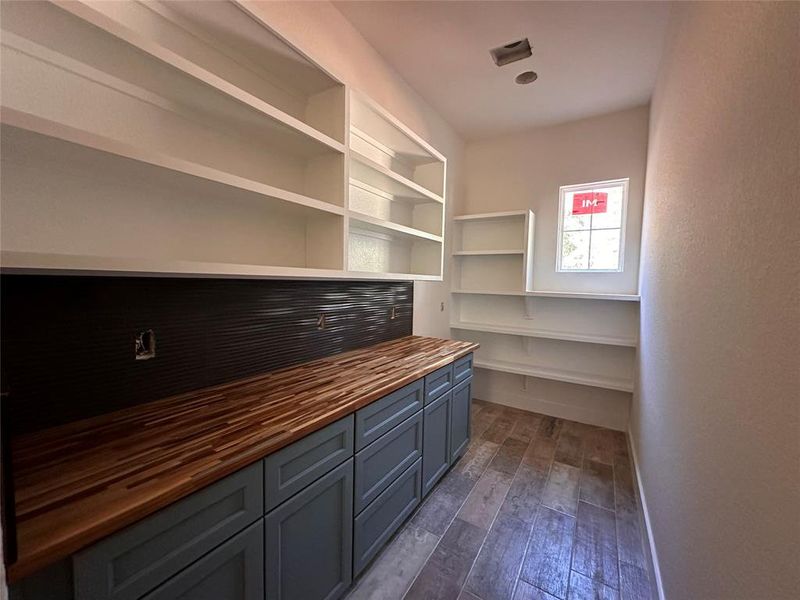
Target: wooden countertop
<point x="80" y="482"/>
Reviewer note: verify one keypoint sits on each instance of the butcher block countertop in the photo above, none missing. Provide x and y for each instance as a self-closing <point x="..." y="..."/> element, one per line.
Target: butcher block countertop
<point x="80" y="482"/>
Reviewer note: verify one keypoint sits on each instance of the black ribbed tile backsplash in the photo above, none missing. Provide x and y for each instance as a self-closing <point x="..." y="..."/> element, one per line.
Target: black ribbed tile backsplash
<point x="68" y="346"/>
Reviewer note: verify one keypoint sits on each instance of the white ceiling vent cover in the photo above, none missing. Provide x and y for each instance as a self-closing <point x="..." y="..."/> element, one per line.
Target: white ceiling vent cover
<point x="511" y="52"/>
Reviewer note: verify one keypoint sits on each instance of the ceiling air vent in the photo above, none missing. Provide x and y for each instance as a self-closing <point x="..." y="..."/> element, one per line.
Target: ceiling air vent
<point x="512" y="52"/>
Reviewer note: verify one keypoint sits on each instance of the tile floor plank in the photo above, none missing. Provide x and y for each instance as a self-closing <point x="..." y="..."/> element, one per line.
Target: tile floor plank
<point x="476" y="459"/>
<point x="495" y="570"/>
<point x="526" y="426"/>
<point x="634" y="584"/>
<point x="485" y="499"/>
<point x="597" y="484"/>
<point x="541" y="449"/>
<point x="392" y="573"/>
<point x="525" y="591"/>
<point x="561" y="491"/>
<point x="526" y="491"/>
<point x="547" y="560"/>
<point x="509" y="456"/>
<point x="584" y="588"/>
<point x="443" y="503"/>
<point x="550" y="428"/>
<point x="499" y="429"/>
<point x="444" y="573"/>
<point x="595" y="552"/>
<point x="569" y="449"/>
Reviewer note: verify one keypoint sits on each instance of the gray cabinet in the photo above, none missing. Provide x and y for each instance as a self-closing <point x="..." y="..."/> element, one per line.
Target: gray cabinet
<point x="381" y="416"/>
<point x="462" y="369"/>
<point x="380" y="463"/>
<point x="233" y="571"/>
<point x="290" y="469"/>
<point x="129" y="564"/>
<point x="381" y="519"/>
<point x="460" y="419"/>
<point x="309" y="540"/>
<point x="436" y="442"/>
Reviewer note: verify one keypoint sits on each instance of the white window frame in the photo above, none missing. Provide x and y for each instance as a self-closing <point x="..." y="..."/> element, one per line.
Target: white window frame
<point x="587" y="187"/>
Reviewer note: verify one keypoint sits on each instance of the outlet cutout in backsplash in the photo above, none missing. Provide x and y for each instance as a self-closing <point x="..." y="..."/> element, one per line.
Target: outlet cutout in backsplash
<point x="209" y="331"/>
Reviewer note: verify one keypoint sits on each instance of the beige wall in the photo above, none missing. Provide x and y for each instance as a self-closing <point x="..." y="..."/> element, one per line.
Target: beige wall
<point x="526" y="169"/>
<point x="321" y="31"/>
<point x="715" y="419"/>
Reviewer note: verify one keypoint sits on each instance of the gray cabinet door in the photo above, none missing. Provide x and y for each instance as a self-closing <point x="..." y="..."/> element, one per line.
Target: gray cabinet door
<point x="380" y="463"/>
<point x="379" y="521"/>
<point x="309" y="540"/>
<point x="292" y="468"/>
<point x="233" y="571"/>
<point x="460" y="419"/>
<point x="128" y="564"/>
<point x="436" y="442"/>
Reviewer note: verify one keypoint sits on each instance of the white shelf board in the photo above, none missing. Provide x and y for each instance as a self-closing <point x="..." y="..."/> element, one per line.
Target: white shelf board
<point x="44" y="263"/>
<point x="113" y="148"/>
<point x="566" y="295"/>
<point x="492" y="216"/>
<point x="397" y="137"/>
<point x="585" y="296"/>
<point x="366" y="170"/>
<point x="489" y="253"/>
<point x="367" y="223"/>
<point x="156" y="50"/>
<point x="546" y="334"/>
<point x="555" y="374"/>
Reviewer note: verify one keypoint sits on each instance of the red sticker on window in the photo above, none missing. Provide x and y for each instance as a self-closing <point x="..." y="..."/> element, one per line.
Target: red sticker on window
<point x="588" y="203"/>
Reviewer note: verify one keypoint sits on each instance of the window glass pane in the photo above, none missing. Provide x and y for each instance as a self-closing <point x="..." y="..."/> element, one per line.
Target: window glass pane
<point x="613" y="215"/>
<point x="573" y="222"/>
<point x="605" y="249"/>
<point x="575" y="250"/>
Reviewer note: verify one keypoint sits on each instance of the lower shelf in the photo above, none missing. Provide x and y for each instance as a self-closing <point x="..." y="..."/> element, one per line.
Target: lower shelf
<point x="545" y="333"/>
<point x="555" y="374"/>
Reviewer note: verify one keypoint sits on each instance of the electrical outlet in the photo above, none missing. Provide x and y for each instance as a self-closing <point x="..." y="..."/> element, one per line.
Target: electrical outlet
<point x="145" y="345"/>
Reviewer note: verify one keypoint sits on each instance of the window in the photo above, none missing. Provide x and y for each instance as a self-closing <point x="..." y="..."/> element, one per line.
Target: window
<point x="591" y="227"/>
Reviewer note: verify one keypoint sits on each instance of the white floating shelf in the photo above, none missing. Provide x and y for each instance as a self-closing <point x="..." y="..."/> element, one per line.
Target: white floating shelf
<point x="567" y="295"/>
<point x="191" y="69"/>
<point x="556" y="374"/>
<point x="114" y="148"/>
<point x="366" y="170"/>
<point x="489" y="253"/>
<point x="493" y="216"/>
<point x="546" y="334"/>
<point x="364" y="222"/>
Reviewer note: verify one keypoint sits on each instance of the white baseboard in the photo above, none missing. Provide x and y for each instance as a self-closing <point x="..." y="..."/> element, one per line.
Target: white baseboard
<point x="646" y="513"/>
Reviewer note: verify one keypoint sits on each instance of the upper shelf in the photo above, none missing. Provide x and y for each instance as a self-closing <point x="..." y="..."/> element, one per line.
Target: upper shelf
<point x="369" y="172"/>
<point x="222" y="46"/>
<point x="404" y="157"/>
<point x="511" y="214"/>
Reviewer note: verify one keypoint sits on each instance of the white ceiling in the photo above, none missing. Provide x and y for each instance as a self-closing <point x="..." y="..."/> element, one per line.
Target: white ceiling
<point x="591" y="57"/>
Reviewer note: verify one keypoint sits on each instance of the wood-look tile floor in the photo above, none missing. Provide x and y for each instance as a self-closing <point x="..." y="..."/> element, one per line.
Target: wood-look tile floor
<point x="538" y="508"/>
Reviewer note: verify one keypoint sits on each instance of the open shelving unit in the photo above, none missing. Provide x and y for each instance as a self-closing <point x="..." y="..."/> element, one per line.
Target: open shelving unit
<point x="189" y="138"/>
<point x="574" y="337"/>
<point x="396" y="196"/>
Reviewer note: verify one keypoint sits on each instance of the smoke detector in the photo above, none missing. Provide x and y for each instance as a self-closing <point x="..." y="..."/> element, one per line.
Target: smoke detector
<point x="511" y="52"/>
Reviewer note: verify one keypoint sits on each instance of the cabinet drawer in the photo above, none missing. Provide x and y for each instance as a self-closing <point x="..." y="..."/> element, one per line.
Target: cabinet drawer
<point x="309" y="540"/>
<point x="462" y="369"/>
<point x="438" y="382"/>
<point x="289" y="470"/>
<point x="378" y="522"/>
<point x="134" y="561"/>
<point x="234" y="571"/>
<point x="380" y="463"/>
<point x="382" y="415"/>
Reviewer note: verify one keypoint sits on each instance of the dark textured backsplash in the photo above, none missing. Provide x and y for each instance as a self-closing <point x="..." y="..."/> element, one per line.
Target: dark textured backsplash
<point x="68" y="343"/>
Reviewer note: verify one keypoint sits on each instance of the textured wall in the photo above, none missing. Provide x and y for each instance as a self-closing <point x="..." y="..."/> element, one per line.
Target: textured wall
<point x="715" y="419"/>
<point x="525" y="170"/>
